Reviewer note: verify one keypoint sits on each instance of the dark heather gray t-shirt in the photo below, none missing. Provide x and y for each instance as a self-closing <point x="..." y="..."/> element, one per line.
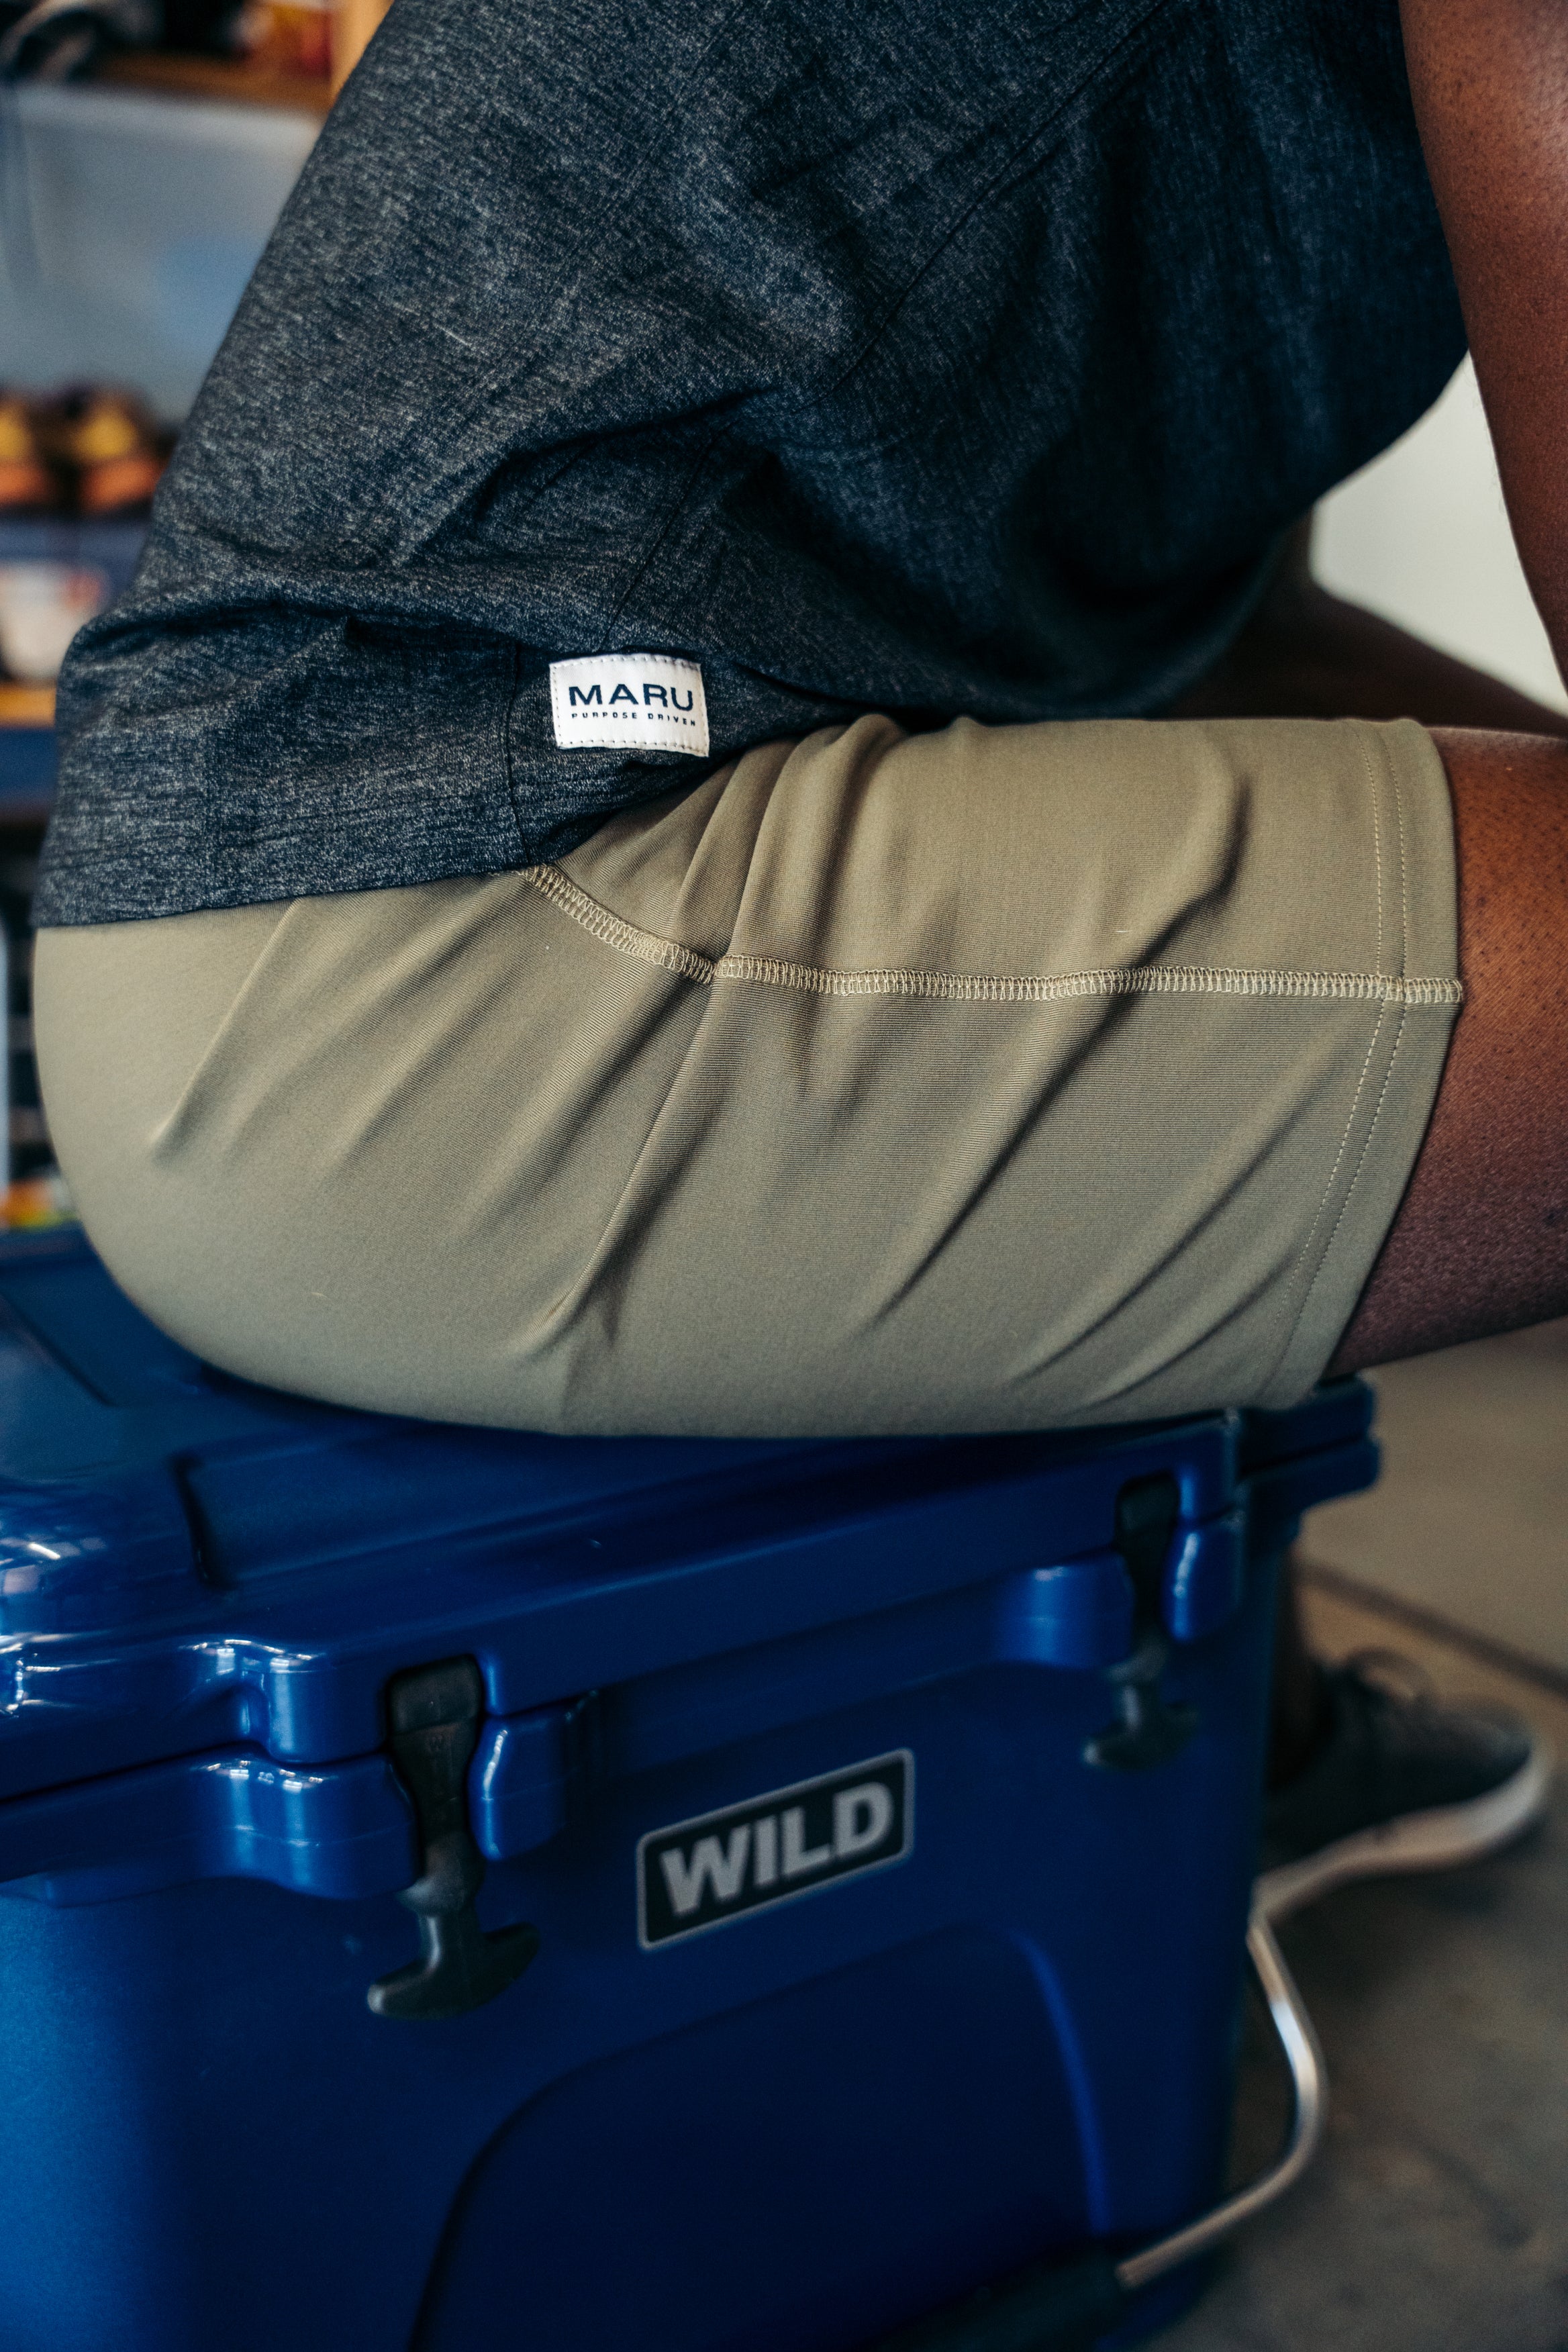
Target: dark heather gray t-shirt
<point x="927" y="356"/>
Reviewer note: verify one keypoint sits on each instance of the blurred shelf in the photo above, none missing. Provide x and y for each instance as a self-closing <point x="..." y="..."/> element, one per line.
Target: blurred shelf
<point x="25" y="706"/>
<point x="228" y="80"/>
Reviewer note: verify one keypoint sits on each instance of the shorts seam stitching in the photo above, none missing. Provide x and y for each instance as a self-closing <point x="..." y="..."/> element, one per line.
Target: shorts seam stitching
<point x="1327" y="1250"/>
<point x="1328" y="1192"/>
<point x="1372" y="779"/>
<point x="982" y="988"/>
<point x="1403" y="861"/>
<point x="1391" y="770"/>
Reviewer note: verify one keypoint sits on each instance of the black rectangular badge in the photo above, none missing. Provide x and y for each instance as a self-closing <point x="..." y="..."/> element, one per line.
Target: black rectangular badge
<point x="704" y="1872"/>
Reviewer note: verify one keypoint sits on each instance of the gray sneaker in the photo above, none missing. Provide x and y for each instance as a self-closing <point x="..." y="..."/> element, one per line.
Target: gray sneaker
<point x="1400" y="1783"/>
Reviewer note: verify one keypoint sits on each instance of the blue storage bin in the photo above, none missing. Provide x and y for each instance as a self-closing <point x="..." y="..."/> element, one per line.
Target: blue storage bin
<point x="866" y="1830"/>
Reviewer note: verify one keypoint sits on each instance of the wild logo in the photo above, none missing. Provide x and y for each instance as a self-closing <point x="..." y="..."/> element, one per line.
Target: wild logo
<point x="704" y="1872"/>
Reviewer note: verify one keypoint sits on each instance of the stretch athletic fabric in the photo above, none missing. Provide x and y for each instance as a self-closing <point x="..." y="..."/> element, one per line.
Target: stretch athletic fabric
<point x="941" y="358"/>
<point x="983" y="1078"/>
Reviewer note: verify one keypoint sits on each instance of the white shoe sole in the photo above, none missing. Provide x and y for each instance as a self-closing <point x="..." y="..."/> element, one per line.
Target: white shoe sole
<point x="1439" y="1840"/>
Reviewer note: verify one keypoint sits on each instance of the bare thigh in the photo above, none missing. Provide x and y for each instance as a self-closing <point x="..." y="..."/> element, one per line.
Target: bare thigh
<point x="1481" y="1241"/>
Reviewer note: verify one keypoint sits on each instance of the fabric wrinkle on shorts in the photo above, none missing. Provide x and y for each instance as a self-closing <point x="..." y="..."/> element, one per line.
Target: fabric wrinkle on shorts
<point x="993" y="1077"/>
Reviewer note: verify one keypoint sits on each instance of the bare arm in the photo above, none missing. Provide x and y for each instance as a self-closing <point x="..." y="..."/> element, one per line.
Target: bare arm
<point x="1308" y="655"/>
<point x="1489" y="81"/>
<point x="1480" y="1242"/>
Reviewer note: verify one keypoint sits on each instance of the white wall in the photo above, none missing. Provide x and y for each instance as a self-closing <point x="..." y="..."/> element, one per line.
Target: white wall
<point x="1421" y="535"/>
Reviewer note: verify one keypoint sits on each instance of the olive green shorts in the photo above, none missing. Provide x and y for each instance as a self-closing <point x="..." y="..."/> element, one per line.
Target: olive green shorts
<point x="991" y="1078"/>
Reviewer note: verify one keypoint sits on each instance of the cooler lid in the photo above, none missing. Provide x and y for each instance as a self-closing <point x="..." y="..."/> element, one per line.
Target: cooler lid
<point x="186" y="1559"/>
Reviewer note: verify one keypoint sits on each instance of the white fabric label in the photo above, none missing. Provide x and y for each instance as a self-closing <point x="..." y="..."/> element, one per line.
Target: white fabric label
<point x="635" y="702"/>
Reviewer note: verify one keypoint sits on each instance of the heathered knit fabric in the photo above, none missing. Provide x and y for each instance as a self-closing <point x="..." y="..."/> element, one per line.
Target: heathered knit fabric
<point x="929" y="356"/>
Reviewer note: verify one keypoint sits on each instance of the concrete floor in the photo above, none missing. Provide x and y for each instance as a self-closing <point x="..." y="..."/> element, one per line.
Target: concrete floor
<point x="1470" y="1516"/>
<point x="1436" y="2218"/>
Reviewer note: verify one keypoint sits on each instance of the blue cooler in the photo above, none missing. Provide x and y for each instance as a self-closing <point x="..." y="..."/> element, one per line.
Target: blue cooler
<point x="466" y="1890"/>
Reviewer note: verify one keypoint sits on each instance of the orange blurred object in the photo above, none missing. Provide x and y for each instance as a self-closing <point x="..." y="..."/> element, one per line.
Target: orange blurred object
<point x="27" y="485"/>
<point x="37" y="1201"/>
<point x="353" y="22"/>
<point x="108" y="444"/>
<point x="289" y="37"/>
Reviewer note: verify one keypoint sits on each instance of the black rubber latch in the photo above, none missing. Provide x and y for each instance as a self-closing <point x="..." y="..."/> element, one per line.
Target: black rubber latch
<point x="433" y="1716"/>
<point x="1046" y="2308"/>
<point x="1150" y="1730"/>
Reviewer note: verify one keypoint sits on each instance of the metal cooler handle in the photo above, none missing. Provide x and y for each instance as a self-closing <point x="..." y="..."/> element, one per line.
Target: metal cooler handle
<point x="1053" y="2308"/>
<point x="1309" y="2080"/>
